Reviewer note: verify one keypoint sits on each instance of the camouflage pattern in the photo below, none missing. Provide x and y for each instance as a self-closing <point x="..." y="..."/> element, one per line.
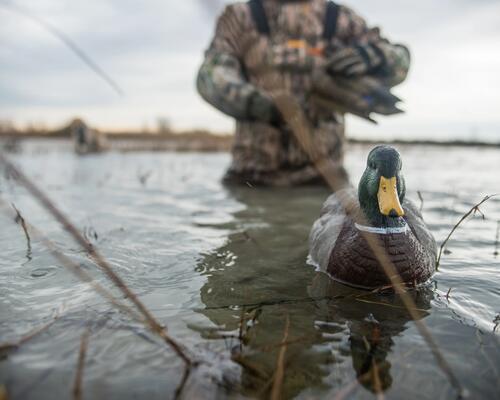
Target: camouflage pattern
<point x="236" y="70"/>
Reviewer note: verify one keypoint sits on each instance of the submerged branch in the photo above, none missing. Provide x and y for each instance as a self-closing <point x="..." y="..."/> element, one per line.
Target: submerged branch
<point x="475" y="209"/>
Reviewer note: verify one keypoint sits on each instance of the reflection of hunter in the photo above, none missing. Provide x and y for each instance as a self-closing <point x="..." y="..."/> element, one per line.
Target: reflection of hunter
<point x="329" y="60"/>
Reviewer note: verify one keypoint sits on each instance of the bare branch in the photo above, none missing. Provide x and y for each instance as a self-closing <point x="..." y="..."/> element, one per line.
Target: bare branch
<point x="473" y="210"/>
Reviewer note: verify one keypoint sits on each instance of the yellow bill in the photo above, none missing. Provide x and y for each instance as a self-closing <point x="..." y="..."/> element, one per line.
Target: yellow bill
<point x="388" y="199"/>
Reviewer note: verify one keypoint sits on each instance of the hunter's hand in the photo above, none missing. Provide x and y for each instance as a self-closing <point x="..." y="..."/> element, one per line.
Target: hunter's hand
<point x="262" y="108"/>
<point x="355" y="60"/>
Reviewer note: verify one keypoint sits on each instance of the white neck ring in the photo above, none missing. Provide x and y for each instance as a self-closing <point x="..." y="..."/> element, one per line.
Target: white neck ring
<point x="383" y="231"/>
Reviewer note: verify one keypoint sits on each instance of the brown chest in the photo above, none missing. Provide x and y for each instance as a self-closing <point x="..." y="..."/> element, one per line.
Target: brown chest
<point x="353" y="262"/>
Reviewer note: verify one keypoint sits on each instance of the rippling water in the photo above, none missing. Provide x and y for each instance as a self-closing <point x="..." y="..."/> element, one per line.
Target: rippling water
<point x="201" y="256"/>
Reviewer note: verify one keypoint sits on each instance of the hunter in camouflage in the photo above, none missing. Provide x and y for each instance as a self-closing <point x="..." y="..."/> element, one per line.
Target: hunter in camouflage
<point x="234" y="78"/>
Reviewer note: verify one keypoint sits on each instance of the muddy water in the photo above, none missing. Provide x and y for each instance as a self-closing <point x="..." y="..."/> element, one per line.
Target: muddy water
<point x="201" y="256"/>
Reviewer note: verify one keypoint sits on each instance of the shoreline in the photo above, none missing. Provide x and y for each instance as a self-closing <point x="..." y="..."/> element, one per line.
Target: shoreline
<point x="202" y="140"/>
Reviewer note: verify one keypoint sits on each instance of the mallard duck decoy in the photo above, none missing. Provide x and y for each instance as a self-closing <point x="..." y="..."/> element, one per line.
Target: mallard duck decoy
<point x="362" y="96"/>
<point x="337" y="243"/>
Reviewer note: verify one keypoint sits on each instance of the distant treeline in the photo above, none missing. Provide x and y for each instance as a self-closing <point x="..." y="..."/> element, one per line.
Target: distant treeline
<point x="195" y="139"/>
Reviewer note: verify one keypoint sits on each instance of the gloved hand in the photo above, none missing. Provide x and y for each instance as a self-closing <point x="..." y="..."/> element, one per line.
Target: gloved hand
<point x="262" y="108"/>
<point x="355" y="60"/>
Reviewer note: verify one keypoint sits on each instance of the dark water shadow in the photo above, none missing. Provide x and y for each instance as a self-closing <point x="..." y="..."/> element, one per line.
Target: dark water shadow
<point x="337" y="336"/>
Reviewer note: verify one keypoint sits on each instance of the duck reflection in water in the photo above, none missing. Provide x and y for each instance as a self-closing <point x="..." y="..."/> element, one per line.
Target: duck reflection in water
<point x="259" y="279"/>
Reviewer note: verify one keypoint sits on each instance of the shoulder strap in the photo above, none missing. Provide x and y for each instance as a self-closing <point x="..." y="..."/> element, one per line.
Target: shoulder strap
<point x="331" y="15"/>
<point x="259" y="16"/>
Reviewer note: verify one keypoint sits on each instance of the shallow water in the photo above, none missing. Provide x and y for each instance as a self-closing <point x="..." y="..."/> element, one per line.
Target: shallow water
<point x="201" y="255"/>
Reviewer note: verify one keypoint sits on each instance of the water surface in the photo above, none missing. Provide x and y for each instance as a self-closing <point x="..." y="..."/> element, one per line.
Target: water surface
<point x="203" y="256"/>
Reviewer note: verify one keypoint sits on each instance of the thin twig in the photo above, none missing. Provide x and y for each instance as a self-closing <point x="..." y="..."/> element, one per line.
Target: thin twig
<point x="473" y="210"/>
<point x="3" y="393"/>
<point x="6" y="347"/>
<point x="377" y="383"/>
<point x="351" y="386"/>
<point x="240" y="329"/>
<point x="272" y="346"/>
<point x="278" y="302"/>
<point x="182" y="383"/>
<point x="390" y="305"/>
<point x="77" y="386"/>
<point x="497" y="239"/>
<point x="421" y="198"/>
<point x="277" y="389"/>
<point x="20" y="220"/>
<point x="66" y="40"/>
<point x="249" y="366"/>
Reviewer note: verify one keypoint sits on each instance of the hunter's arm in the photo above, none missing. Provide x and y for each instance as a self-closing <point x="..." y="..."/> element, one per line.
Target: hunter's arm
<point x="221" y="80"/>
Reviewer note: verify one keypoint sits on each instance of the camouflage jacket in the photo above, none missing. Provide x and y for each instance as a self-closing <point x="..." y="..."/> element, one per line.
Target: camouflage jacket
<point x="234" y="70"/>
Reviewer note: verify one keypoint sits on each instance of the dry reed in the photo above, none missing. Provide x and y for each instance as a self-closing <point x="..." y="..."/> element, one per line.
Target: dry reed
<point x="448" y="294"/>
<point x="82" y="353"/>
<point x="3" y="393"/>
<point x="497" y="239"/>
<point x="279" y="375"/>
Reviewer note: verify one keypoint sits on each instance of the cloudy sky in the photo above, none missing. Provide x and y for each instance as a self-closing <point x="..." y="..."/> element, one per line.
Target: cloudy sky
<point x="153" y="48"/>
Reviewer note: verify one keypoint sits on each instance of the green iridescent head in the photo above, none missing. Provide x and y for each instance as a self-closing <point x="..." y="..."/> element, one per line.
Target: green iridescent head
<point x="382" y="187"/>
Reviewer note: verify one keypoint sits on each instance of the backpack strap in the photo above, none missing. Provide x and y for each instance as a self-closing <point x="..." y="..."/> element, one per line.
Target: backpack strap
<point x="259" y="16"/>
<point x="262" y="25"/>
<point x="331" y="16"/>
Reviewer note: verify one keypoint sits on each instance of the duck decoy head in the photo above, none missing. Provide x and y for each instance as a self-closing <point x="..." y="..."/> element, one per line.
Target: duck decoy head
<point x="382" y="187"/>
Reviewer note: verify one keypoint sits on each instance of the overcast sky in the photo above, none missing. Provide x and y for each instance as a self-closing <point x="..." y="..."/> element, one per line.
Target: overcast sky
<point x="154" y="48"/>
